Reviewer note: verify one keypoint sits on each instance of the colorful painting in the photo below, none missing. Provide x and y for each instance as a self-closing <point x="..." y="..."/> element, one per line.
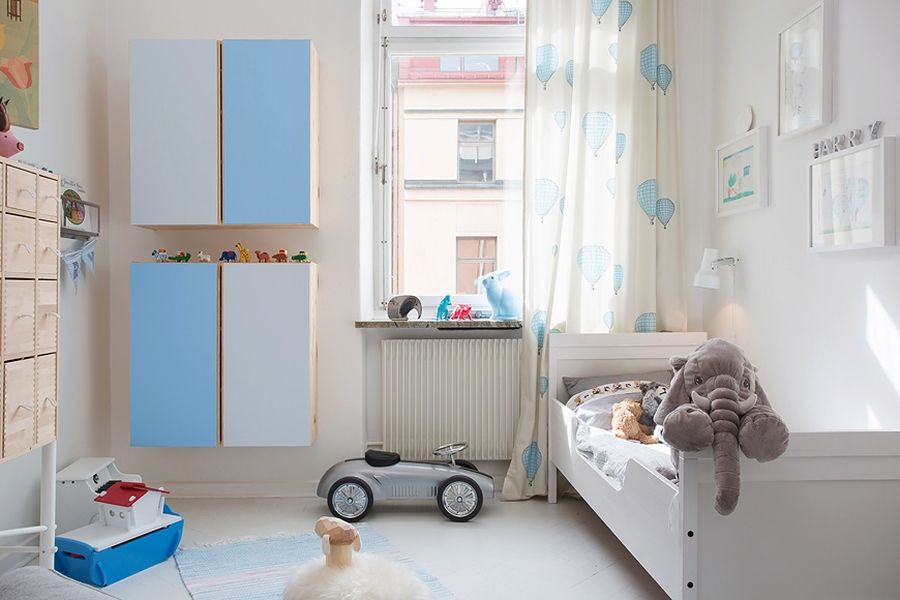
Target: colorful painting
<point x="740" y="173"/>
<point x="19" y="61"/>
<point x="737" y="170"/>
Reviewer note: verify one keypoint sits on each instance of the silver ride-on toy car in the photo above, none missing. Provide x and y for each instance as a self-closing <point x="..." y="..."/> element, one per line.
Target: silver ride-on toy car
<point x="352" y="487"/>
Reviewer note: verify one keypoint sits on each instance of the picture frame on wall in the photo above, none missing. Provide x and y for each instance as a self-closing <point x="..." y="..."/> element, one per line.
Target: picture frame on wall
<point x="804" y="71"/>
<point x="852" y="198"/>
<point x="741" y="173"/>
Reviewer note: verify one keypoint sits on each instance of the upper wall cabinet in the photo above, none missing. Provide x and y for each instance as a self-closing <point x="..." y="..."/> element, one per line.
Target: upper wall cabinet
<point x="174" y="132"/>
<point x="269" y="132"/>
<point x="224" y="133"/>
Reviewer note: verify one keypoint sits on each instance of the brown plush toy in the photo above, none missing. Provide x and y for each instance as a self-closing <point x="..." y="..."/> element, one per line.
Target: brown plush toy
<point x="625" y="422"/>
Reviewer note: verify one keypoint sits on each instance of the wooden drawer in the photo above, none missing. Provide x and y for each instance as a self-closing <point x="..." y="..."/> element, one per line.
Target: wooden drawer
<point x="18" y="318"/>
<point x="47" y="317"/>
<point x="18" y="407"/>
<point x="18" y="246"/>
<point x="21" y="189"/>
<point x="47" y="198"/>
<point x="47" y="248"/>
<point x="46" y="398"/>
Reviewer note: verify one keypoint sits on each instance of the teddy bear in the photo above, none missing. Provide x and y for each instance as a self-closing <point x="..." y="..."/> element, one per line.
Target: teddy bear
<point x="625" y="424"/>
<point x="654" y="394"/>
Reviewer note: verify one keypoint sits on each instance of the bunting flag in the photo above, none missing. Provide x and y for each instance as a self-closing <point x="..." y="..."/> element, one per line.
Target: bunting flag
<point x="73" y="259"/>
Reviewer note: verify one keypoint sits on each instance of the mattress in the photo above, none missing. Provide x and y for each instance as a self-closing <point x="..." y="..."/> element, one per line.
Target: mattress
<point x="610" y="455"/>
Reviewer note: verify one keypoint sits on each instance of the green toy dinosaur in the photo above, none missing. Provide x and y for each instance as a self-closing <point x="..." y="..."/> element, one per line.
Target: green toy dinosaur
<point x="181" y="257"/>
<point x="300" y="257"/>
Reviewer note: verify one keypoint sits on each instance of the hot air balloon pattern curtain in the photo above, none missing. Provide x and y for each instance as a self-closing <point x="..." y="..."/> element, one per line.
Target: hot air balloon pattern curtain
<point x="602" y="224"/>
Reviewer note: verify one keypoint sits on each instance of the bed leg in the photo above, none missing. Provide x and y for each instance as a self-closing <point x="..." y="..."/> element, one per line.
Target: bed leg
<point x="48" y="506"/>
<point x="552" y="480"/>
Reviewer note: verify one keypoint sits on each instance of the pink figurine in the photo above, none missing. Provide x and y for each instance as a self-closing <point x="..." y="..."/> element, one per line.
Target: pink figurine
<point x="9" y="143"/>
<point x="462" y="312"/>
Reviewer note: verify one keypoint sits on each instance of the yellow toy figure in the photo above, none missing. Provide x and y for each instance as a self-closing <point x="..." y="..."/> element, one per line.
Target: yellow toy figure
<point x="243" y="253"/>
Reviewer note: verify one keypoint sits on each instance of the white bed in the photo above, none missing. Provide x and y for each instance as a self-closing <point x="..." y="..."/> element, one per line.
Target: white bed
<point x="822" y="521"/>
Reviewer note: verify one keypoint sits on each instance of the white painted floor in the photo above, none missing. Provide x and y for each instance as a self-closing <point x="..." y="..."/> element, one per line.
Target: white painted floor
<point x="514" y="550"/>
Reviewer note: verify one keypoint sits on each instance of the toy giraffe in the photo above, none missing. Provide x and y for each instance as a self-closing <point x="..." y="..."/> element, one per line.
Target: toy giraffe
<point x="243" y="253"/>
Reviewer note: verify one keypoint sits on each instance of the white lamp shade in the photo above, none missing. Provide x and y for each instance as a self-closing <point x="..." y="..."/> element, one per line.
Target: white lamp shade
<point x="707" y="277"/>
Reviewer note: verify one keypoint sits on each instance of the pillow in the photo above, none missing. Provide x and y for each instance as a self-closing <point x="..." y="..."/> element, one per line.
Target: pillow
<point x="575" y="385"/>
<point x="596" y="410"/>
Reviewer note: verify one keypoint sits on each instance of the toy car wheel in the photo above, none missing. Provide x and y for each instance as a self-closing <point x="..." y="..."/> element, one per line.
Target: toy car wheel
<point x="350" y="499"/>
<point x="459" y="498"/>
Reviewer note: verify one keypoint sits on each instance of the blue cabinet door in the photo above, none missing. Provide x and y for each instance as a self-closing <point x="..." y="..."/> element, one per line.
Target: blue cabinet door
<point x="268" y="132"/>
<point x="174" y="355"/>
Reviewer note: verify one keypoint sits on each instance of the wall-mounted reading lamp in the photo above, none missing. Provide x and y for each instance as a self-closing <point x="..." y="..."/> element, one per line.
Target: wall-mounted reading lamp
<point x="707" y="275"/>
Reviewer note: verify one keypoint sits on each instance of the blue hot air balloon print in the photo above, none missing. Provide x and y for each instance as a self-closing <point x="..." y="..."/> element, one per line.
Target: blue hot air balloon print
<point x="599" y="8"/>
<point x="547" y="63"/>
<point x="625" y="10"/>
<point x="593" y="261"/>
<point x="614" y="51"/>
<point x="620" y="146"/>
<point x="611" y="186"/>
<point x="646" y="198"/>
<point x="650" y="65"/>
<point x="596" y="126"/>
<point x="531" y="460"/>
<point x="664" y="77"/>
<point x="543" y="384"/>
<point x="560" y="118"/>
<point x="609" y="319"/>
<point x="570" y="72"/>
<point x="538" y="328"/>
<point x="665" y="210"/>
<point x="618" y="278"/>
<point x="645" y="323"/>
<point x="546" y="194"/>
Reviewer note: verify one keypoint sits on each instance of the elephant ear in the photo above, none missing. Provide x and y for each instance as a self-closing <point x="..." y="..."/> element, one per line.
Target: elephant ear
<point x="677" y="394"/>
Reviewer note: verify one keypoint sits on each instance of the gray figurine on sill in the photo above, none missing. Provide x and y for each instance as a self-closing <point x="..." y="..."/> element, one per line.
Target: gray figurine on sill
<point x="399" y="307"/>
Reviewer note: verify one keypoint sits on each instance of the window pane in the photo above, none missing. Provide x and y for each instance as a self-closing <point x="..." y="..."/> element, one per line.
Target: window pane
<point x="456" y="172"/>
<point x="474" y="64"/>
<point x="458" y="12"/>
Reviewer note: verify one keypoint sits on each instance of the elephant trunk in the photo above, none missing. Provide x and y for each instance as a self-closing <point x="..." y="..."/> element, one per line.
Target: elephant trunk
<point x="724" y="413"/>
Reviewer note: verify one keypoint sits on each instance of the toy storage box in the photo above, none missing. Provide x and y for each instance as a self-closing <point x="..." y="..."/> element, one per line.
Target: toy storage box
<point x="78" y="484"/>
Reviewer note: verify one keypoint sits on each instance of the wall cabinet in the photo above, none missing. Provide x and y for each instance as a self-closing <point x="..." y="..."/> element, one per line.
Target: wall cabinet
<point x="29" y="301"/>
<point x="223" y="354"/>
<point x="224" y="133"/>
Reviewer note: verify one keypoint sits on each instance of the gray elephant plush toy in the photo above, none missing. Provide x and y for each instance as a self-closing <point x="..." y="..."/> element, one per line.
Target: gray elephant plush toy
<point x="715" y="399"/>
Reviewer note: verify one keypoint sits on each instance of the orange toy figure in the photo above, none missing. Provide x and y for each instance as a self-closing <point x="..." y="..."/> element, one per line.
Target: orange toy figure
<point x="280" y="256"/>
<point x="263" y="257"/>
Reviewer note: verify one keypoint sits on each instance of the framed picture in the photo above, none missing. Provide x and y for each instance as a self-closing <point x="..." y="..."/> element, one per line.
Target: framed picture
<point x="852" y="198"/>
<point x="804" y="71"/>
<point x="741" y="178"/>
<point x="80" y="218"/>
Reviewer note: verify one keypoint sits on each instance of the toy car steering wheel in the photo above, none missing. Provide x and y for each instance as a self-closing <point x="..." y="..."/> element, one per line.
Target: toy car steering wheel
<point x="451" y="449"/>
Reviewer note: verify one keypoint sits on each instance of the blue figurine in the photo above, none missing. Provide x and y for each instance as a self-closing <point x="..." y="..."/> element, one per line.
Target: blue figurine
<point x="443" y="309"/>
<point x="506" y="303"/>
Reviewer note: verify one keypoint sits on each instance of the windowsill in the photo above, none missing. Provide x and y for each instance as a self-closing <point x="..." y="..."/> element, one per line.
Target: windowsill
<point x="433" y="324"/>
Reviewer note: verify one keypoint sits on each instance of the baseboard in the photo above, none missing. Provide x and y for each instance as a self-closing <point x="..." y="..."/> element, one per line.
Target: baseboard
<point x="250" y="489"/>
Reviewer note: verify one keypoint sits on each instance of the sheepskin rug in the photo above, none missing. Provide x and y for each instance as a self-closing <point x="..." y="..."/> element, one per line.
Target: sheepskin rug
<point x="370" y="577"/>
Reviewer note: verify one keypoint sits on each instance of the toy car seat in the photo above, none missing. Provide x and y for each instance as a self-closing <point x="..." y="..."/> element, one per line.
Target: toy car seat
<point x="381" y="458"/>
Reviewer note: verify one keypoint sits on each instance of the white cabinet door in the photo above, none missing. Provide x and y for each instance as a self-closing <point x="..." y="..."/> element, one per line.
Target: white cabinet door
<point x="268" y="354"/>
<point x="174" y="95"/>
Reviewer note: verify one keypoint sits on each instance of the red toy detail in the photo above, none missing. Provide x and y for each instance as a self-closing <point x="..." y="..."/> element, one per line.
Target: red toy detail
<point x="462" y="312"/>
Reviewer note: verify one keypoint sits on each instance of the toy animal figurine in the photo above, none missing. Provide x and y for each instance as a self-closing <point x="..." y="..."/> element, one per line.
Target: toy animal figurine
<point x="203" y="256"/>
<point x="243" y="253"/>
<point x="181" y="257"/>
<point x="506" y="303"/>
<point x="263" y="257"/>
<point x="300" y="257"/>
<point x="443" y="309"/>
<point x="347" y="574"/>
<point x="9" y="143"/>
<point x="280" y="256"/>
<point x="228" y="256"/>
<point x="625" y="424"/>
<point x="160" y="255"/>
<point x="399" y="307"/>
<point x="716" y="399"/>
<point x="462" y="312"/>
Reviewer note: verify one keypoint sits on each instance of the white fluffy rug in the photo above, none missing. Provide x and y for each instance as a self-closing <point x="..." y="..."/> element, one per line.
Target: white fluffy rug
<point x="370" y="577"/>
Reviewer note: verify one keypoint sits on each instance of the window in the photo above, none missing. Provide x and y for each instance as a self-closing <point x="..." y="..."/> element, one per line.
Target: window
<point x="476" y="151"/>
<point x="475" y="256"/>
<point x="449" y="148"/>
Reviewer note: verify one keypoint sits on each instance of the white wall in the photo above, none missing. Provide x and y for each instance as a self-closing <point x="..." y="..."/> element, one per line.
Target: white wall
<point x="71" y="141"/>
<point x="335" y="29"/>
<point x="824" y="330"/>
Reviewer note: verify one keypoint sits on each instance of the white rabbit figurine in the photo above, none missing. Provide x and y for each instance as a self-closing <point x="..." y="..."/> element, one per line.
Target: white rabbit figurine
<point x="506" y="303"/>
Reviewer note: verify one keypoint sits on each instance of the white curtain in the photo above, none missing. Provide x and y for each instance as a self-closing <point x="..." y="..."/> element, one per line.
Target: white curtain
<point x="602" y="209"/>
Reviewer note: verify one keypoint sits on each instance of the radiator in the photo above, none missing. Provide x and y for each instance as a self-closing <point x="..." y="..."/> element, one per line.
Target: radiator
<point x="440" y="391"/>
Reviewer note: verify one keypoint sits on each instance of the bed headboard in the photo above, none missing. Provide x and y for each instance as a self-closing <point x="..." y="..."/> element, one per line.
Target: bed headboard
<point x="584" y="354"/>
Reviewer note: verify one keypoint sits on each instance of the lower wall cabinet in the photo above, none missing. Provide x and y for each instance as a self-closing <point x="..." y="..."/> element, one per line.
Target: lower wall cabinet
<point x="223" y="354"/>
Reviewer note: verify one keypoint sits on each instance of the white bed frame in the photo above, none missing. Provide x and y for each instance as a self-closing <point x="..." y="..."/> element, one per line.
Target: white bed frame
<point x="822" y="521"/>
<point x="46" y="548"/>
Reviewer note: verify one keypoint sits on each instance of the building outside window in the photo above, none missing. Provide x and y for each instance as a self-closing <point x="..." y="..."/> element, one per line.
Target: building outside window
<point x="476" y="151"/>
<point x="475" y="256"/>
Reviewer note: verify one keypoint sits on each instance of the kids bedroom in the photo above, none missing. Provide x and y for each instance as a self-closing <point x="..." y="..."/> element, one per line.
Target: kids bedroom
<point x="449" y="299"/>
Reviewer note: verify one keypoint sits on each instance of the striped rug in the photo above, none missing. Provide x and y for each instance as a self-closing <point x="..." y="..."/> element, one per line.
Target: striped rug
<point x="258" y="569"/>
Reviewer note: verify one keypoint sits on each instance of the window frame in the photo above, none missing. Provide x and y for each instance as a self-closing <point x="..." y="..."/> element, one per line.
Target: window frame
<point x="479" y="260"/>
<point x="460" y="144"/>
<point x="406" y="40"/>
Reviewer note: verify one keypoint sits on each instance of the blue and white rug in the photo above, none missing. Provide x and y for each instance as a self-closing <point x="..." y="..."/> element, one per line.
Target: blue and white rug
<point x="258" y="569"/>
